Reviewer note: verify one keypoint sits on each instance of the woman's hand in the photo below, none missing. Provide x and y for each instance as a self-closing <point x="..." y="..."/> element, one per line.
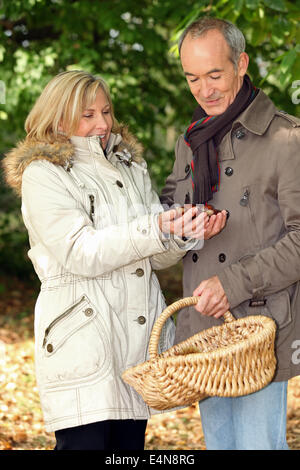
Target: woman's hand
<point x="189" y="224"/>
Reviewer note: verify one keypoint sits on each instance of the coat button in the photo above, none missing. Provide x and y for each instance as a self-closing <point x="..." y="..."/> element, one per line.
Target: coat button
<point x="119" y="183"/>
<point x="187" y="168"/>
<point x="50" y="348"/>
<point x="195" y="257"/>
<point x="240" y="133"/>
<point x="141" y="320"/>
<point x="88" y="312"/>
<point x="222" y="257"/>
<point x="228" y="171"/>
<point x="139" y="272"/>
<point x="187" y="199"/>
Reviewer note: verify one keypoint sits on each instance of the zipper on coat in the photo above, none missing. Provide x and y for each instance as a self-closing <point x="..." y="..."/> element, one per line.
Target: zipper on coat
<point x="92" y="206"/>
<point x="245" y="199"/>
<point x="58" y="319"/>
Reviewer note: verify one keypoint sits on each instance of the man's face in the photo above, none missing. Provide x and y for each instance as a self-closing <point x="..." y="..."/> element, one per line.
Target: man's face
<point x="211" y="75"/>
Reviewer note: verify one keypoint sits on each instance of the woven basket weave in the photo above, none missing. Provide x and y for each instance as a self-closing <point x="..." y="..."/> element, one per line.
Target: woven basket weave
<point x="233" y="359"/>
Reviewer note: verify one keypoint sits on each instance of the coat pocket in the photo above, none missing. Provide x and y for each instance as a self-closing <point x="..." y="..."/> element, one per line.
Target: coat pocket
<point x="99" y="207"/>
<point x="250" y="203"/>
<point x="279" y="308"/>
<point x="75" y="345"/>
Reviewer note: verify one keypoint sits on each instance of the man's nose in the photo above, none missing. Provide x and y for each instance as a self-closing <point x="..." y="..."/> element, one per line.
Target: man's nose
<point x="206" y="90"/>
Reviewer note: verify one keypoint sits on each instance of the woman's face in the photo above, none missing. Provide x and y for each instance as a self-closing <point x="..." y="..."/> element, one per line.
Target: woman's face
<point x="97" y="119"/>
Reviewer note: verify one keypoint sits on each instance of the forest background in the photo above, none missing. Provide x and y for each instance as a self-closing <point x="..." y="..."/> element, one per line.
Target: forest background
<point x="133" y="45"/>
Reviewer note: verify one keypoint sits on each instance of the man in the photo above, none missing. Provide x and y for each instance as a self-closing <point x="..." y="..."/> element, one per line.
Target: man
<point x="241" y="154"/>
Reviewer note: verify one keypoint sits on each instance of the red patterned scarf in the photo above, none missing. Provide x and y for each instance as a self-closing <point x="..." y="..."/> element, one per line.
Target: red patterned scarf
<point x="205" y="134"/>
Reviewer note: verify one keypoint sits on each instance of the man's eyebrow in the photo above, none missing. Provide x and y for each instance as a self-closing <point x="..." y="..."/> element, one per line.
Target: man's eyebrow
<point x="207" y="73"/>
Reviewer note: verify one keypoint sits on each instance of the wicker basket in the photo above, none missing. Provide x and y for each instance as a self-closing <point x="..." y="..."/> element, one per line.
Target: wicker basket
<point x="233" y="359"/>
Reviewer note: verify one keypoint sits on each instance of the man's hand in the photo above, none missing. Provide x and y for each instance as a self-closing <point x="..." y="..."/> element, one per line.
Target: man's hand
<point x="213" y="301"/>
<point x="215" y="224"/>
<point x="192" y="223"/>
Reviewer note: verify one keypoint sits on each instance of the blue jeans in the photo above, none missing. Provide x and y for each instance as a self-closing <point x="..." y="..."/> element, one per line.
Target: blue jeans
<point x="251" y="422"/>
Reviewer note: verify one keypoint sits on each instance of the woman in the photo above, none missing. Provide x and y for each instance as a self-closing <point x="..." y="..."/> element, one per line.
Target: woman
<point x="97" y="232"/>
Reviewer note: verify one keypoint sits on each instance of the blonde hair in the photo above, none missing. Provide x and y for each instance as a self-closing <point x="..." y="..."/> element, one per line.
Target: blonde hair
<point x="61" y="104"/>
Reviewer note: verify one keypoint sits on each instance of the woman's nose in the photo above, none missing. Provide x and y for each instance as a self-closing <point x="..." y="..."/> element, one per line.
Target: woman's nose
<point x="101" y="122"/>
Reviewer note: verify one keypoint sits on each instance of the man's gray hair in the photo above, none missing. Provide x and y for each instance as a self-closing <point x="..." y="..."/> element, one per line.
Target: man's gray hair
<point x="232" y="35"/>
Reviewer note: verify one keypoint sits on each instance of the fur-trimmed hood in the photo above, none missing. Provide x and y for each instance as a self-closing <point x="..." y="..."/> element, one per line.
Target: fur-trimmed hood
<point x="59" y="153"/>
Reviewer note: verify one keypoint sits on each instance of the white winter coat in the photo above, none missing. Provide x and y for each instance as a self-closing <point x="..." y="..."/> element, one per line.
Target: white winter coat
<point x="94" y="244"/>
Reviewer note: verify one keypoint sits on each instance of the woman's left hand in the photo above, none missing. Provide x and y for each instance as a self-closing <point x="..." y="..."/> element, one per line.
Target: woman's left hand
<point x="189" y="224"/>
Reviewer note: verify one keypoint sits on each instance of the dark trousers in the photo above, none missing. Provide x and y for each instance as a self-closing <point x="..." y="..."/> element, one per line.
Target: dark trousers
<point x="127" y="434"/>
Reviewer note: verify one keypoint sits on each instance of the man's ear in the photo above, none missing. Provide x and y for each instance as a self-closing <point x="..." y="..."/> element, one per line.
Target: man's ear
<point x="243" y="64"/>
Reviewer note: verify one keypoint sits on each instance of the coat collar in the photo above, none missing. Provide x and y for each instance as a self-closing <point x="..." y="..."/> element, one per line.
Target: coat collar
<point x="256" y="119"/>
<point x="87" y="144"/>
<point x="87" y="147"/>
<point x="258" y="115"/>
<point x="62" y="153"/>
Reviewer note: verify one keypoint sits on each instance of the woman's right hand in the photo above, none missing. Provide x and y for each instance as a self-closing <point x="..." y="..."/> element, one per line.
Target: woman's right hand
<point x="189" y="224"/>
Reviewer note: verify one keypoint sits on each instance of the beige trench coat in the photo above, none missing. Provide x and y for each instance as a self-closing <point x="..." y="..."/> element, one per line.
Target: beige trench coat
<point x="257" y="255"/>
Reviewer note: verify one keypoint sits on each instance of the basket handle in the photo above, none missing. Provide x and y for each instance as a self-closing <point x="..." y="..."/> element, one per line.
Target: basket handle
<point x="168" y="312"/>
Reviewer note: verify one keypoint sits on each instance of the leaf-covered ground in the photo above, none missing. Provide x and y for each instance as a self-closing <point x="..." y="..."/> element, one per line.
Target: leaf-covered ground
<point x="21" y="423"/>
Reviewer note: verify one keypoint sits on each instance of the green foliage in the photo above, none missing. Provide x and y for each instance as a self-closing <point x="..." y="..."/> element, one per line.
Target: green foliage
<point x="271" y="28"/>
<point x="132" y="44"/>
